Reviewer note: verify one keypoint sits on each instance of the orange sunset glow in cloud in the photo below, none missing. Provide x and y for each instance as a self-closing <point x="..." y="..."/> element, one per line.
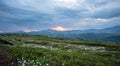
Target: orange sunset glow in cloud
<point x="59" y="28"/>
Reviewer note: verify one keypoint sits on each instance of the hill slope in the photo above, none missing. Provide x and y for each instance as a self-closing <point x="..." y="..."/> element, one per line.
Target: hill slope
<point x="36" y="50"/>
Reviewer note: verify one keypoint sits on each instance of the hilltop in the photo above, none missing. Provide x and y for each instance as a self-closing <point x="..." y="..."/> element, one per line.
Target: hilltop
<point x="42" y="50"/>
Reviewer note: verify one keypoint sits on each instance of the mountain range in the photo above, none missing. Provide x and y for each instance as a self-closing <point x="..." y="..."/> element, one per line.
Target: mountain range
<point x="111" y="34"/>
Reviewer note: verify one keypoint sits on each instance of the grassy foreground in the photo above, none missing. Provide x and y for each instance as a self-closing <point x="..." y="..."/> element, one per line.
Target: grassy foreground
<point x="29" y="50"/>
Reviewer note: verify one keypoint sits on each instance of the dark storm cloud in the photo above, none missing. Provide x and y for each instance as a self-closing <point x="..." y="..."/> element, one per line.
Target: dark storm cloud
<point x="44" y="14"/>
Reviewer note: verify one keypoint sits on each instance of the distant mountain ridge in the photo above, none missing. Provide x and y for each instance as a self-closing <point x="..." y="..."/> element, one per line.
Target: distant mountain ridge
<point x="113" y="29"/>
<point x="106" y="34"/>
<point x="91" y="34"/>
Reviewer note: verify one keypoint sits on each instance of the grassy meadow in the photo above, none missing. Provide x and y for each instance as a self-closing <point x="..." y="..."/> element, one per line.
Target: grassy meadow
<point x="36" y="50"/>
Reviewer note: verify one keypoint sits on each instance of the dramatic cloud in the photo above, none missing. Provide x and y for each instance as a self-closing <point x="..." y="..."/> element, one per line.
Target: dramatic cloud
<point x="36" y="15"/>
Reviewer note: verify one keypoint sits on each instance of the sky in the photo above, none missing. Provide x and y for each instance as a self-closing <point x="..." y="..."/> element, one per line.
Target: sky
<point x="37" y="15"/>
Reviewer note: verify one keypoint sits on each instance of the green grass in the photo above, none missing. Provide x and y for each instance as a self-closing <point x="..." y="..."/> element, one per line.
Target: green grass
<point x="46" y="51"/>
<point x="57" y="58"/>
